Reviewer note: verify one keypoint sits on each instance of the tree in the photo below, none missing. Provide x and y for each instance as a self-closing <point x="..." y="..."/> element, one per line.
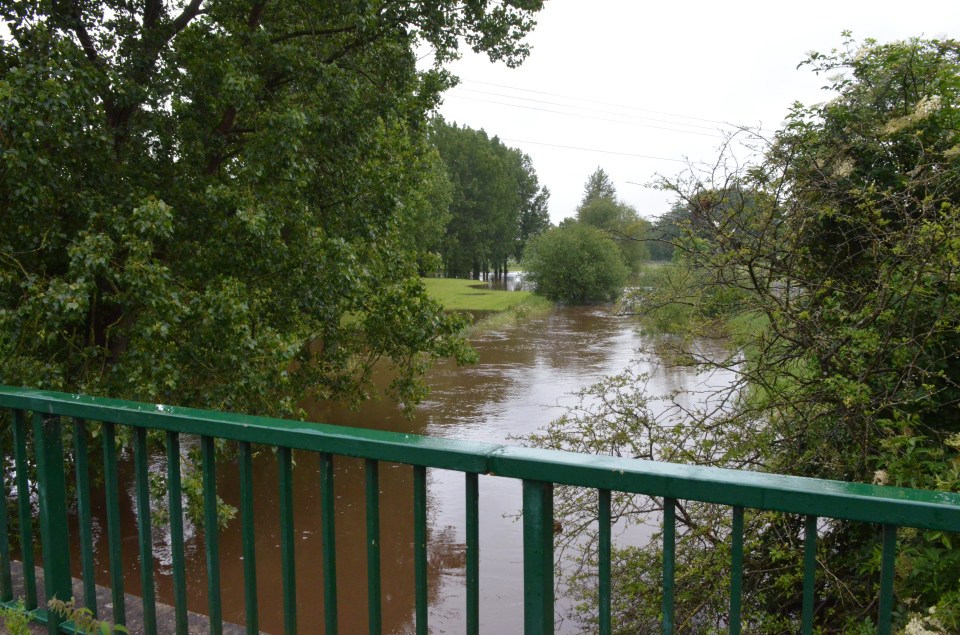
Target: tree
<point x="427" y="214"/>
<point x="598" y="186"/>
<point x="666" y="230"/>
<point x="600" y="208"/>
<point x="841" y="247"/>
<point x="576" y="263"/>
<point x="534" y="211"/>
<point x="497" y="202"/>
<point x="204" y="202"/>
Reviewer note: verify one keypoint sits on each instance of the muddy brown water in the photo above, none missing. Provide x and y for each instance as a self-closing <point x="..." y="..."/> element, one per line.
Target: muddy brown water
<point x="526" y="372"/>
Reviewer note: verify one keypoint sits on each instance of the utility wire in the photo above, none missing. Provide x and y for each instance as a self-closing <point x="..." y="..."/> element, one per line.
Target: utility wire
<point x="573" y="114"/>
<point x="603" y="103"/>
<point x="605" y="112"/>
<point x="625" y="154"/>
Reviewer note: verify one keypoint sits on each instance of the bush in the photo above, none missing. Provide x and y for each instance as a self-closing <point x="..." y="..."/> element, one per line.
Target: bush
<point x="577" y="264"/>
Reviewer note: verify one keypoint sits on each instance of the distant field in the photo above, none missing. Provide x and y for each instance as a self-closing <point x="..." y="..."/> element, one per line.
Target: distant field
<point x="471" y="295"/>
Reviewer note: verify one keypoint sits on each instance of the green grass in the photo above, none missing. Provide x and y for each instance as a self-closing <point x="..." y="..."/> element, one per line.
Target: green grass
<point x="464" y="295"/>
<point x="497" y="307"/>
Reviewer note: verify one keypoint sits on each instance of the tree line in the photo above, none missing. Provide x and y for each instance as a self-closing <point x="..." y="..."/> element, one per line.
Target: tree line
<point x="495" y="202"/>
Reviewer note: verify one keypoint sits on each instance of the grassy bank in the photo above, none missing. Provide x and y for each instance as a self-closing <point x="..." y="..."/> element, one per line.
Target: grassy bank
<point x="498" y="307"/>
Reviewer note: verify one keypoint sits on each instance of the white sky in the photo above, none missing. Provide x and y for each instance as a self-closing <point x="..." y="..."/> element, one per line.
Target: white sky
<point x="623" y="70"/>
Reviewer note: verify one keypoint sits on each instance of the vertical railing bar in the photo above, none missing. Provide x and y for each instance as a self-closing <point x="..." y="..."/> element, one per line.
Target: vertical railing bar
<point x="210" y="529"/>
<point x="809" y="572"/>
<point x="52" y="494"/>
<point x="175" y="498"/>
<point x="144" y="530"/>
<point x="24" y="509"/>
<point x="287" y="557"/>
<point x="736" y="570"/>
<point x="669" y="561"/>
<point x="6" y="575"/>
<point x="420" y="547"/>
<point x="473" y="552"/>
<point x="372" y="473"/>
<point x="888" y="560"/>
<point x="249" y="539"/>
<point x="114" y="538"/>
<point x="603" y="559"/>
<point x="328" y="529"/>
<point x="81" y="466"/>
<point x="538" y="557"/>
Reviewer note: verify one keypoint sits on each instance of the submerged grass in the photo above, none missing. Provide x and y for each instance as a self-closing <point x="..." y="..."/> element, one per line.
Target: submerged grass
<point x="456" y="294"/>
<point x="498" y="307"/>
<point x="532" y="306"/>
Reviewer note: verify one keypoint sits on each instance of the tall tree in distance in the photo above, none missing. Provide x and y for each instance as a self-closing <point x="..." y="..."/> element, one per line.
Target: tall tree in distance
<point x="601" y="208"/>
<point x="497" y="202"/>
<point x="534" y="206"/>
<point x="598" y="186"/>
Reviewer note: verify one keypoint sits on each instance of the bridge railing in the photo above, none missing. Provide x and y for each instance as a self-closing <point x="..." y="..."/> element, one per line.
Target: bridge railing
<point x="36" y="476"/>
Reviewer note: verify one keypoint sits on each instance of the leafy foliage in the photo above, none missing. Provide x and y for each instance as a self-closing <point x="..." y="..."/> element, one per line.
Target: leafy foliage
<point x="211" y="203"/>
<point x="15" y="619"/>
<point x="83" y="619"/>
<point x="666" y="230"/>
<point x="602" y="209"/>
<point x="575" y="263"/>
<point x="497" y="203"/>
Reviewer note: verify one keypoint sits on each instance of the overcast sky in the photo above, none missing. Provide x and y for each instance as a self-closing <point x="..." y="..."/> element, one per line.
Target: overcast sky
<point x="638" y="87"/>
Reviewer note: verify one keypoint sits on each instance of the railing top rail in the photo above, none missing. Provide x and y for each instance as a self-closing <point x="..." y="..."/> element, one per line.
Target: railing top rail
<point x="835" y="499"/>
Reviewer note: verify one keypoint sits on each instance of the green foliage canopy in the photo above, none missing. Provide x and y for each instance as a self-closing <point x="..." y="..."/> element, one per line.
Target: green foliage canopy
<point x="844" y="243"/>
<point x="575" y="263"/>
<point x="210" y="202"/>
<point x="602" y="209"/>
<point x="497" y="202"/>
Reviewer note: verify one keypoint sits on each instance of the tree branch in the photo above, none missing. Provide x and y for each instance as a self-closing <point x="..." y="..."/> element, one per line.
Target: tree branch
<point x="313" y="33"/>
<point x="86" y="42"/>
<point x="189" y="12"/>
<point x="256" y="14"/>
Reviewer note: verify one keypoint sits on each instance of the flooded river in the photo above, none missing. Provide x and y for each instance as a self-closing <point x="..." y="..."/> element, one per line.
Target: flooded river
<point x="526" y="373"/>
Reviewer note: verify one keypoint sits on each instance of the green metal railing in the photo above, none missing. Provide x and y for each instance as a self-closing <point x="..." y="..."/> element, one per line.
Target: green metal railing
<point x="539" y="471"/>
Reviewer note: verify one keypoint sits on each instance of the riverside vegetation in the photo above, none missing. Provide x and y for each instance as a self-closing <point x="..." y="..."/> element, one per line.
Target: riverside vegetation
<point x="835" y="263"/>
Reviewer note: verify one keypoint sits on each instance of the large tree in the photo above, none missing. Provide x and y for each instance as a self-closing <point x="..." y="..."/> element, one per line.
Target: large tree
<point x="534" y="211"/>
<point x="599" y="185"/>
<point x="205" y="201"/>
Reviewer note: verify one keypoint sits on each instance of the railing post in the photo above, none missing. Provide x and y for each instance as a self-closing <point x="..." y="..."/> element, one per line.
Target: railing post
<point x="537" y="557"/>
<point x="887" y="574"/>
<point x="6" y="576"/>
<point x="52" y="484"/>
<point x="24" y="510"/>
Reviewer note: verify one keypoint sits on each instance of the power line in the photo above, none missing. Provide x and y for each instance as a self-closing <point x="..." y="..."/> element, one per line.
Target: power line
<point x="573" y="114"/>
<point x="625" y="154"/>
<point x="606" y="112"/>
<point x="603" y="103"/>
